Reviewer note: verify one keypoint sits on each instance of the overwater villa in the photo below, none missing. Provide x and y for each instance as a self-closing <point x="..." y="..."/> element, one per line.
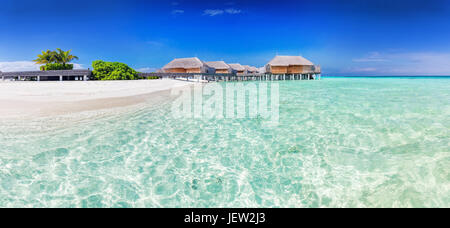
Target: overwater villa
<point x="237" y="68"/>
<point x="220" y="67"/>
<point x="250" y="69"/>
<point x="279" y="68"/>
<point x="186" y="65"/>
<point x="262" y="70"/>
<point x="291" y="65"/>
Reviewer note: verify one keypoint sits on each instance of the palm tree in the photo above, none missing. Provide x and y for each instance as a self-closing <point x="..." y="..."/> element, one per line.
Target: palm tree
<point x="64" y="57"/>
<point x="46" y="57"/>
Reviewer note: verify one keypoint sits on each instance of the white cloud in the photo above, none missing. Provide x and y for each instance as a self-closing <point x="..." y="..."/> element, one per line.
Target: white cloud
<point x="213" y="12"/>
<point x="177" y="11"/>
<point x="18" y="66"/>
<point x="371" y="57"/>
<point x="77" y="66"/>
<point x="403" y="63"/>
<point x="363" y="69"/>
<point x="424" y="63"/>
<point x="233" y="11"/>
<point x="147" y="69"/>
<point x="155" y="43"/>
<point x="26" y="66"/>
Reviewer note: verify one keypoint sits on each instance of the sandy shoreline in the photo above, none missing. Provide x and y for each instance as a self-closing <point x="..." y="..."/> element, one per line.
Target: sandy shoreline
<point x="38" y="99"/>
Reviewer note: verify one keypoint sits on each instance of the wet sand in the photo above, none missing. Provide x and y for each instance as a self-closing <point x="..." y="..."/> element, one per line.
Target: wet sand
<point x="38" y="99"/>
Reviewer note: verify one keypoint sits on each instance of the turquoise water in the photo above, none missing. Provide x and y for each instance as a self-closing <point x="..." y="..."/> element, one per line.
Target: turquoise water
<point x="340" y="142"/>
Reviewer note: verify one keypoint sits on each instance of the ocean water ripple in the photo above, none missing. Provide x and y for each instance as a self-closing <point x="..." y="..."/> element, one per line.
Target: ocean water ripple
<point x="340" y="142"/>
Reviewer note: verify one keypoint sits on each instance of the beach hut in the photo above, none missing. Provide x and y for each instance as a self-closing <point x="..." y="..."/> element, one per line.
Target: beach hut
<point x="317" y="69"/>
<point x="237" y="68"/>
<point x="290" y="65"/>
<point x="219" y="67"/>
<point x="250" y="69"/>
<point x="186" y="65"/>
<point x="262" y="70"/>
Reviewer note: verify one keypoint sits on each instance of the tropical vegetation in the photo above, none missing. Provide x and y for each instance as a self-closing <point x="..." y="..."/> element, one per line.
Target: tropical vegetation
<point x="59" y="60"/>
<point x="56" y="66"/>
<point x="56" y="60"/>
<point x="113" y="71"/>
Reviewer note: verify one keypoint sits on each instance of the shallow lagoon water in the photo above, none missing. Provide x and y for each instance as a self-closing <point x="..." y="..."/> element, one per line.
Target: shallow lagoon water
<point x="340" y="142"/>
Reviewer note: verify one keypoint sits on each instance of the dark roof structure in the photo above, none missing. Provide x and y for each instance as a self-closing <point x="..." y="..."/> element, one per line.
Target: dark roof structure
<point x="50" y="73"/>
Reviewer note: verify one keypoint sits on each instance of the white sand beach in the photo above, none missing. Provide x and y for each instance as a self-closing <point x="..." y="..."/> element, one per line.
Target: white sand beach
<point x="19" y="99"/>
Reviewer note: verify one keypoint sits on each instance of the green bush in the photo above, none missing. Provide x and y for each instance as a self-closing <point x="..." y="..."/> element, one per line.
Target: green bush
<point x="113" y="71"/>
<point x="56" y="66"/>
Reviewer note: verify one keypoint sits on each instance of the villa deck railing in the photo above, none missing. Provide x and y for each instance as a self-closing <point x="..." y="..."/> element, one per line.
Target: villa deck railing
<point x="233" y="77"/>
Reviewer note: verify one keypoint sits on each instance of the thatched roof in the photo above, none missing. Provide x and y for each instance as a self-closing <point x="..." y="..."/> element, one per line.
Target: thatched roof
<point x="186" y="63"/>
<point x="218" y="65"/>
<point x="290" y="61"/>
<point x="251" y="68"/>
<point x="237" y="66"/>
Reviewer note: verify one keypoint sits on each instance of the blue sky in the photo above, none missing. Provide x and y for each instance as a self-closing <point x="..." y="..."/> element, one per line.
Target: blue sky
<point x="347" y="37"/>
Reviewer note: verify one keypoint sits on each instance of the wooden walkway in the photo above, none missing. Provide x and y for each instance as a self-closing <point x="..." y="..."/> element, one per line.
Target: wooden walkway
<point x="233" y="77"/>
